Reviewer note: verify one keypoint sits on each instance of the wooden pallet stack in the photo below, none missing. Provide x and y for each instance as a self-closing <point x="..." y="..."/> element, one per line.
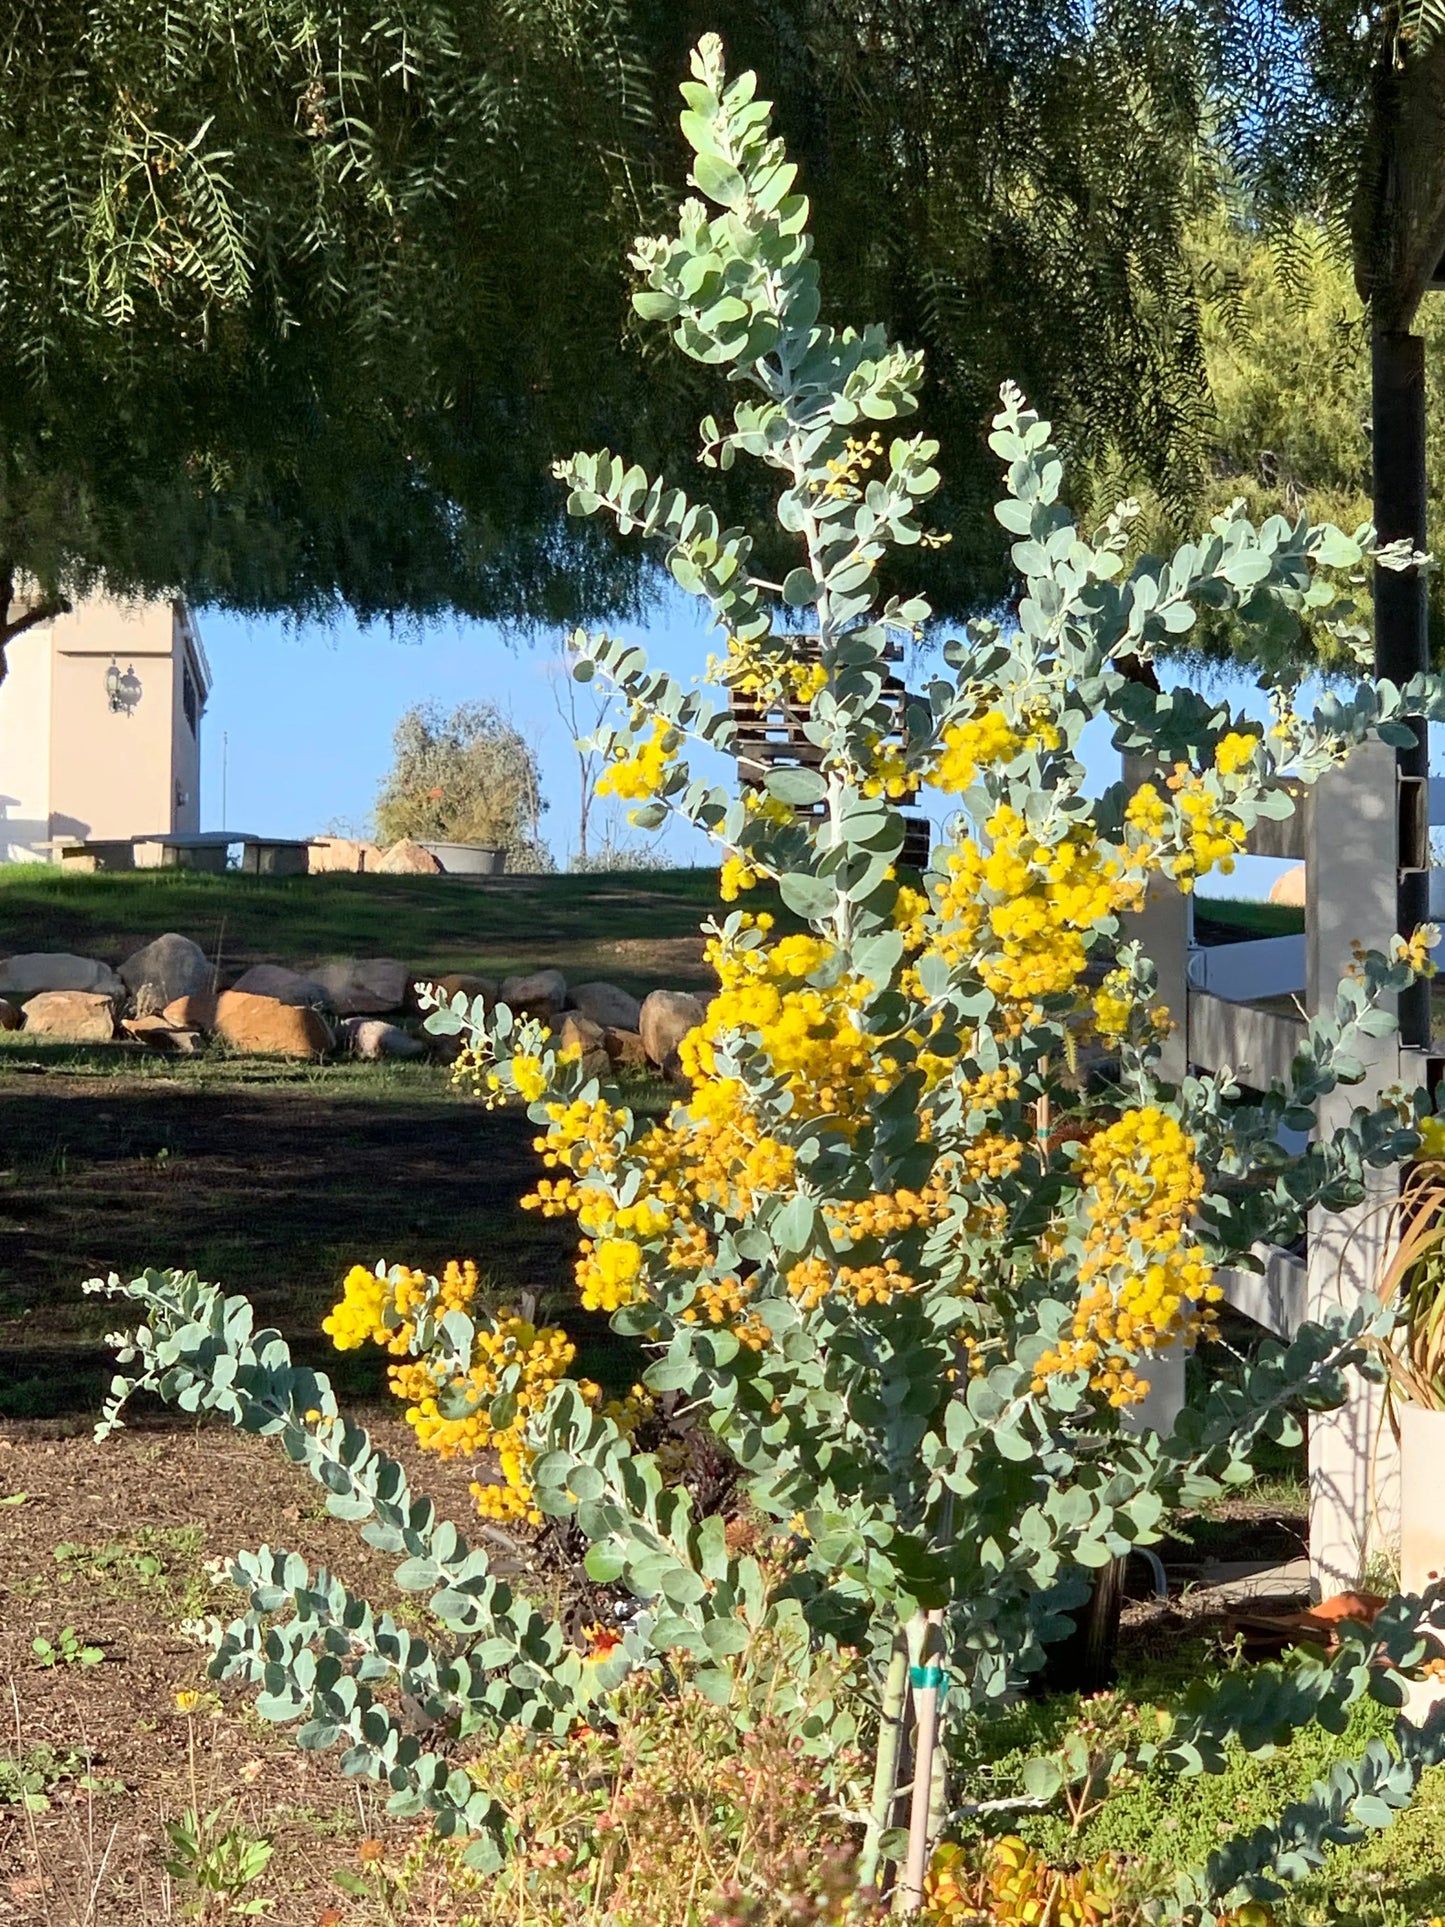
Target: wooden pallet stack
<point x="770" y="735"/>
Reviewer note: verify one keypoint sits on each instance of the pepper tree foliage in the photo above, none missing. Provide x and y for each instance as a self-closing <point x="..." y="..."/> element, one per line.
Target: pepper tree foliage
<point x="1013" y="190"/>
<point x="268" y="300"/>
<point x="912" y="1265"/>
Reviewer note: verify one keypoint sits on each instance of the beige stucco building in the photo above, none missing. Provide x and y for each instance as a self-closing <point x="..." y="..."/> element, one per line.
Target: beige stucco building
<point x="82" y="753"/>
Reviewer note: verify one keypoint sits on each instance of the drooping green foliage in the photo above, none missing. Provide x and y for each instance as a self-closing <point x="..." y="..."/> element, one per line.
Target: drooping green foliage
<point x="297" y="308"/>
<point x="1286" y="346"/>
<point x="295" y="304"/>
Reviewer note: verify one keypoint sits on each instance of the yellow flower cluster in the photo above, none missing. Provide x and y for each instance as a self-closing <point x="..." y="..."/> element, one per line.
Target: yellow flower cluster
<point x="812" y="1279"/>
<point x="888" y="772"/>
<point x="1415" y="950"/>
<point x="811" y="1033"/>
<point x="715" y="1155"/>
<point x="509" y="1499"/>
<point x="385" y="1307"/>
<point x="1235" y="752"/>
<point x="988" y="1157"/>
<point x="475" y="1066"/>
<point x="748" y="670"/>
<point x="381" y="1306"/>
<point x="910" y="915"/>
<point x="1003" y="1883"/>
<point x="1211" y="839"/>
<point x="1023" y="910"/>
<point x="990" y="1090"/>
<point x="357" y="1318"/>
<point x="582" y="1137"/>
<point x="608" y="1272"/>
<point x="886" y="1213"/>
<point x="1143" y="1282"/>
<point x="541" y="1354"/>
<point x="632" y="1410"/>
<point x="636" y="775"/>
<point x="1114" y="1007"/>
<point x="985" y="740"/>
<point x="735" y="876"/>
<point x="1205" y="837"/>
<point x="846" y="471"/>
<point x="717" y="1302"/>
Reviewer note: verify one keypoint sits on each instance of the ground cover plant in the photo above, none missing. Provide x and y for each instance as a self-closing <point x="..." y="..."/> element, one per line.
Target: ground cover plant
<point x="908" y="1248"/>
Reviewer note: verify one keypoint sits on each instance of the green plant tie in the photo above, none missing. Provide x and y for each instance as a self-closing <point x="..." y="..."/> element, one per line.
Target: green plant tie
<point x="928" y="1676"/>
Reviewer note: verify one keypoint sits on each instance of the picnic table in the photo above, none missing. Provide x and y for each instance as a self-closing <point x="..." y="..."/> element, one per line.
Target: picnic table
<point x="209" y="850"/>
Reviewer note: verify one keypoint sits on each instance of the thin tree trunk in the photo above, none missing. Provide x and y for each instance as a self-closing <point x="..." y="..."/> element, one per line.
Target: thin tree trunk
<point x="885" y="1767"/>
<point x="30" y="614"/>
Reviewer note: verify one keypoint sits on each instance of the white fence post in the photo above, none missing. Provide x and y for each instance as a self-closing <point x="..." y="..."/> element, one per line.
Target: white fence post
<point x="1163" y="929"/>
<point x="1352" y="867"/>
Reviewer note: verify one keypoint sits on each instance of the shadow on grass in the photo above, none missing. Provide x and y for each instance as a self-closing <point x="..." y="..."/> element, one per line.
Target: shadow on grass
<point x="271" y="1191"/>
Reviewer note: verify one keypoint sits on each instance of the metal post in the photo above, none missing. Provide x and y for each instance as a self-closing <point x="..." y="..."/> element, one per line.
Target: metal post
<point x="1402" y="623"/>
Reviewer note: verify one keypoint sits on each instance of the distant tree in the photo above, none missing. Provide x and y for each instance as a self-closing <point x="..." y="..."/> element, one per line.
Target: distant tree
<point x="583" y="709"/>
<point x="465" y="777"/>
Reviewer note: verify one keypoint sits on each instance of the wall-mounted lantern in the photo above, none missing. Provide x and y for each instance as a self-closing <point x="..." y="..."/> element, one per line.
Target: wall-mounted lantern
<point x="124" y="691"/>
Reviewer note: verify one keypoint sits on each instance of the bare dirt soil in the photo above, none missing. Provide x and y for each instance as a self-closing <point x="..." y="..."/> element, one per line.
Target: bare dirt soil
<point x="114" y="1542"/>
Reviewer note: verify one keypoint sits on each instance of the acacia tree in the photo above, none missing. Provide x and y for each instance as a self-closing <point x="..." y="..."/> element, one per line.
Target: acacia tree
<point x="911" y="1269"/>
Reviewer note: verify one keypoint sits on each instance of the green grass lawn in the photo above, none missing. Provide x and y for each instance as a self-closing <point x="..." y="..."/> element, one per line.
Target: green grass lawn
<point x="273" y="1176"/>
<point x="1233" y="919"/>
<point x="639" y="928"/>
<point x="436" y="923"/>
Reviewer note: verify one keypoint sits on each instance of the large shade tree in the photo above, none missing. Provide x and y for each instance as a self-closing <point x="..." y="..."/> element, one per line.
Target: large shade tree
<point x="1022" y="189"/>
<point x="296" y="302"/>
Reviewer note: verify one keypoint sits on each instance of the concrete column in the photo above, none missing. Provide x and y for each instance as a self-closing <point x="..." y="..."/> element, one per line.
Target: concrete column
<point x="1352" y="877"/>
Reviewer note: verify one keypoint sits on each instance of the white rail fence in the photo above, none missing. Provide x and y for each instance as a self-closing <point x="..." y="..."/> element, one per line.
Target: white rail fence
<point x="1244" y="1006"/>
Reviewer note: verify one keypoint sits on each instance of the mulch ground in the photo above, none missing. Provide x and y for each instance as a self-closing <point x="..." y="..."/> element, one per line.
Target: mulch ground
<point x="114" y="1541"/>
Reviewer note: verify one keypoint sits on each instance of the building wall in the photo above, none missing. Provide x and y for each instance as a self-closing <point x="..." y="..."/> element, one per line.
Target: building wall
<point x="111" y="772"/>
<point x="187" y="697"/>
<point x="25" y="704"/>
<point x="70" y="766"/>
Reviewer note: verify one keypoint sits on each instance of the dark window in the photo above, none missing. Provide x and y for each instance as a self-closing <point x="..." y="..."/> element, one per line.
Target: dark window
<point x="188" y="698"/>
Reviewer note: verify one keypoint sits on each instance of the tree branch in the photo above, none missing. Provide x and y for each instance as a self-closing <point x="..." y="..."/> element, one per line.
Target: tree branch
<point x="34" y="613"/>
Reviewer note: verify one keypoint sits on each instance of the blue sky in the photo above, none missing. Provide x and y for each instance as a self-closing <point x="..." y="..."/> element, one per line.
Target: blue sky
<point x="299" y="722"/>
